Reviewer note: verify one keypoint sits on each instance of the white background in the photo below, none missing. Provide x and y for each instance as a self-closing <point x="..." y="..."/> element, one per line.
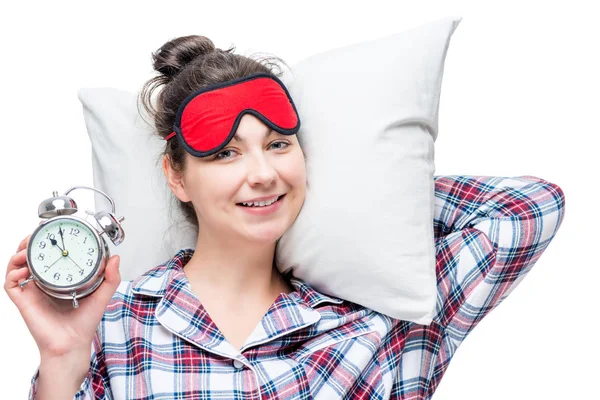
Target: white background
<point x="519" y="97"/>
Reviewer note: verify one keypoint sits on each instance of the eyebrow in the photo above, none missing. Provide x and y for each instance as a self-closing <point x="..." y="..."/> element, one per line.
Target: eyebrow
<point x="241" y="139"/>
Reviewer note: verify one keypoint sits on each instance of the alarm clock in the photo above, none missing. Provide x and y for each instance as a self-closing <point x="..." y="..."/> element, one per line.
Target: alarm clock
<point x="66" y="254"/>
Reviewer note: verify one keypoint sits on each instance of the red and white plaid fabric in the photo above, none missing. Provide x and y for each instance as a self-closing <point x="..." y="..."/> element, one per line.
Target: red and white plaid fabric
<point x="156" y="341"/>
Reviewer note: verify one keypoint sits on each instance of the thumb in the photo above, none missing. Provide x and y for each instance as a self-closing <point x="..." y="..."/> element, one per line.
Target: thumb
<point x="112" y="279"/>
<point x="112" y="274"/>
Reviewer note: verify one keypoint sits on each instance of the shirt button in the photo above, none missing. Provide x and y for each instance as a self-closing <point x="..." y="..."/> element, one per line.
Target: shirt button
<point x="238" y="364"/>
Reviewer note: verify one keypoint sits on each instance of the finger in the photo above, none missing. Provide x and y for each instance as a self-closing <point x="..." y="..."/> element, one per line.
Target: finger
<point x="113" y="274"/>
<point x="11" y="286"/>
<point x="23" y="243"/>
<point x="25" y="296"/>
<point x="17" y="261"/>
<point x="112" y="278"/>
<point x="13" y="278"/>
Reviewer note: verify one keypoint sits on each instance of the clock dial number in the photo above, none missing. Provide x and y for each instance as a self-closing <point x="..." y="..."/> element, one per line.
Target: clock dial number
<point x="68" y="260"/>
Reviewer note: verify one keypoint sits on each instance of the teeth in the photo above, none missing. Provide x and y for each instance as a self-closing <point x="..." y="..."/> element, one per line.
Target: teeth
<point x="261" y="203"/>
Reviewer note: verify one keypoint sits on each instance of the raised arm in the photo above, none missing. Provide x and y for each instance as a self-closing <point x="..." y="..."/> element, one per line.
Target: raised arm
<point x="489" y="231"/>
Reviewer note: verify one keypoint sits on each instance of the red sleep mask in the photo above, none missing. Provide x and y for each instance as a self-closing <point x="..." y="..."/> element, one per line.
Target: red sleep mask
<point x="208" y="118"/>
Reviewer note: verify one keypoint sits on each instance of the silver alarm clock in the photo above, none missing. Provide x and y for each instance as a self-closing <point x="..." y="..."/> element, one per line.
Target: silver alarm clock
<point x="66" y="254"/>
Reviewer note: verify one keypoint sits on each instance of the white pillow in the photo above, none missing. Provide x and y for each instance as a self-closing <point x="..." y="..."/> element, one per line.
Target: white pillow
<point x="369" y="120"/>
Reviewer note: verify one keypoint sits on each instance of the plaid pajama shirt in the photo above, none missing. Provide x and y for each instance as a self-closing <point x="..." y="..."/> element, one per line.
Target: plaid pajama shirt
<point x="156" y="341"/>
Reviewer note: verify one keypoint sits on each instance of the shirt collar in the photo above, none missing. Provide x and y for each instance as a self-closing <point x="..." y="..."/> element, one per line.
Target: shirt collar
<point x="180" y="311"/>
<point x="156" y="281"/>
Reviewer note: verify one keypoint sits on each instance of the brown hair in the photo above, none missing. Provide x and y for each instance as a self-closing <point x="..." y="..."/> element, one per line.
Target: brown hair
<point x="186" y="64"/>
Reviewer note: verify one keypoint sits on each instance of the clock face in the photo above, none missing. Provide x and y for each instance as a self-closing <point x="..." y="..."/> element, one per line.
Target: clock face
<point x="64" y="252"/>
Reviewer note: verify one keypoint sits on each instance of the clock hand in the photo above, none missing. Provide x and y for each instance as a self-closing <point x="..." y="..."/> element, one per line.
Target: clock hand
<point x="61" y="236"/>
<point x="55" y="243"/>
<point x="57" y="260"/>
<point x="80" y="269"/>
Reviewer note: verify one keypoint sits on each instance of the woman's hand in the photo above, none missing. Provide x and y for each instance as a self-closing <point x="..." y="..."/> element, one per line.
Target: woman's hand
<point x="58" y="329"/>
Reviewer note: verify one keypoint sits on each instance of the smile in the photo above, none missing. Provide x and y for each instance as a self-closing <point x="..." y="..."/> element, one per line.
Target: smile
<point x="260" y="203"/>
<point x="262" y="208"/>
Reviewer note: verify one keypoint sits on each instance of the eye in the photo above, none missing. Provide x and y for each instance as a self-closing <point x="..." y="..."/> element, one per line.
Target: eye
<point x="281" y="142"/>
<point x="219" y="156"/>
<point x="227" y="154"/>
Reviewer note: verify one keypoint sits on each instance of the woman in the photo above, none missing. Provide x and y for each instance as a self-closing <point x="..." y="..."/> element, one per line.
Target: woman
<point x="221" y="321"/>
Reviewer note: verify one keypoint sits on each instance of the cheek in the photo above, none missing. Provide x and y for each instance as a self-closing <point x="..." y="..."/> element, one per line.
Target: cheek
<point x="295" y="170"/>
<point x="213" y="189"/>
<point x="295" y="175"/>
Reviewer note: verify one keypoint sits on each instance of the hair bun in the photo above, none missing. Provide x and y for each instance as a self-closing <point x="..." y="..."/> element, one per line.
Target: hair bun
<point x="174" y="55"/>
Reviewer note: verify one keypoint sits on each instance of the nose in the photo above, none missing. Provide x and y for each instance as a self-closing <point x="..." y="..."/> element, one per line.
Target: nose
<point x="261" y="171"/>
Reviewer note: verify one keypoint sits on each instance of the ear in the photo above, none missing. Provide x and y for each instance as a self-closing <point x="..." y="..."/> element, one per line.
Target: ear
<point x="175" y="181"/>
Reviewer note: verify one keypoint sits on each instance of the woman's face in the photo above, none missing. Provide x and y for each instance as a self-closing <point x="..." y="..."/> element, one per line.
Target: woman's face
<point x="252" y="166"/>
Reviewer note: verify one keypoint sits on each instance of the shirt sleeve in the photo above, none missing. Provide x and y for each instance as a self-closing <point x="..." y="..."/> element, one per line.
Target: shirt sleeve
<point x="95" y="385"/>
<point x="489" y="233"/>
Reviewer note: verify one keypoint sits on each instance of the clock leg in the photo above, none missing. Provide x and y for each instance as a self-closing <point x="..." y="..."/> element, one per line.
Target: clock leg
<point x="26" y="281"/>
<point x="75" y="302"/>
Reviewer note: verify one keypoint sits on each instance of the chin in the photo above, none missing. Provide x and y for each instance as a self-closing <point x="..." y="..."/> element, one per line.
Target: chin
<point x="266" y="235"/>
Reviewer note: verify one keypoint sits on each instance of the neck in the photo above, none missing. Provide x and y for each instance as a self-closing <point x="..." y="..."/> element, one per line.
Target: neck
<point x="235" y="271"/>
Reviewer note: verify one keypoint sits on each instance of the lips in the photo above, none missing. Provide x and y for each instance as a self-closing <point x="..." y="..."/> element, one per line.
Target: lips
<point x="257" y="201"/>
